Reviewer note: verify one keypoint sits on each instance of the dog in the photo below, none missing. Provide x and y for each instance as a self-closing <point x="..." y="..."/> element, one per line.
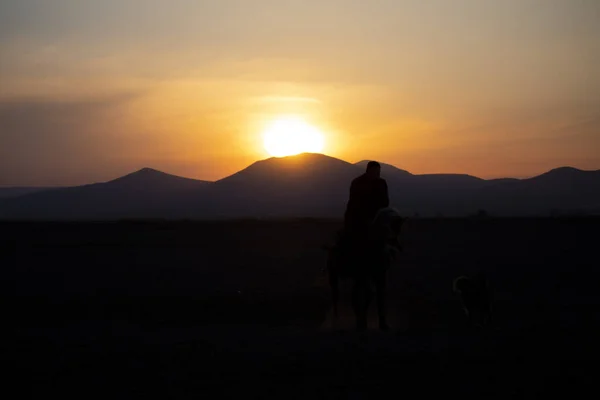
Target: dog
<point x="476" y="299"/>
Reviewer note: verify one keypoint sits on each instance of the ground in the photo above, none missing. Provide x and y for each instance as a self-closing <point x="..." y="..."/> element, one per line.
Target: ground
<point x="241" y="308"/>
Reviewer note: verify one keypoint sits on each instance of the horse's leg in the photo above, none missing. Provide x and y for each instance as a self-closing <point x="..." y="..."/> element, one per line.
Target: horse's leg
<point x="380" y="283"/>
<point x="359" y="301"/>
<point x="335" y="291"/>
<point x="356" y="301"/>
<point x="364" y="304"/>
<point x="356" y="298"/>
<point x="368" y="295"/>
<point x="368" y="290"/>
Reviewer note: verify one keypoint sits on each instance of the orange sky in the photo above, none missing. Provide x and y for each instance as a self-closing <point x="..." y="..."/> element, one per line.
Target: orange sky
<point x="93" y="90"/>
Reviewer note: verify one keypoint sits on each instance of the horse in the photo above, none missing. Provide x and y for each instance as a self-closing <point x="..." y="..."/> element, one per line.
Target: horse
<point x="367" y="266"/>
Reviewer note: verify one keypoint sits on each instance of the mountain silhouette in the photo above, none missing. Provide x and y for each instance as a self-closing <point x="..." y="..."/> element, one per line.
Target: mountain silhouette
<point x="304" y="185"/>
<point x="7" y="192"/>
<point x="307" y="185"/>
<point x="564" y="190"/>
<point x="142" y="194"/>
<point x="148" y="179"/>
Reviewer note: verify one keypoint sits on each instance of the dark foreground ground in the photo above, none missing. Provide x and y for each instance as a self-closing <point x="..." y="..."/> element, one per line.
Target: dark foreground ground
<point x="184" y="310"/>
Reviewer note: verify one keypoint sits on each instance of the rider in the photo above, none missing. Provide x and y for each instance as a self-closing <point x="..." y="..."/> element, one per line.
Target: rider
<point x="368" y="194"/>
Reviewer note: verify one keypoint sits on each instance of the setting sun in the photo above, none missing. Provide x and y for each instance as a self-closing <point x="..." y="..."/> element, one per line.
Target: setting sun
<point x="289" y="136"/>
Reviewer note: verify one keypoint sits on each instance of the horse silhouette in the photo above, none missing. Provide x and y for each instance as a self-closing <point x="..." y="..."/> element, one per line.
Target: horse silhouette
<point x="367" y="265"/>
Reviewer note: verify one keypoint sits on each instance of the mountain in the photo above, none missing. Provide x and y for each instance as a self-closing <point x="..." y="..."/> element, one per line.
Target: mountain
<point x="303" y="185"/>
<point x="8" y="192"/>
<point x="307" y="185"/>
<point x="142" y="194"/>
<point x="147" y="178"/>
<point x="435" y="194"/>
<point x="561" y="190"/>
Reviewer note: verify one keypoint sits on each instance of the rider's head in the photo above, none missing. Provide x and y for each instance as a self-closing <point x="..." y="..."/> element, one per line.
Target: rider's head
<point x="373" y="169"/>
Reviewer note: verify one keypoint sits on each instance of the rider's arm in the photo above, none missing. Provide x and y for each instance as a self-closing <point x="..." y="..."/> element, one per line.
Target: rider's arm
<point x="351" y="201"/>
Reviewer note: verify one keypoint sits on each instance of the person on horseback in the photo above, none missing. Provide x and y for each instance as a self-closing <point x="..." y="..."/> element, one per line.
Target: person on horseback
<point x="368" y="195"/>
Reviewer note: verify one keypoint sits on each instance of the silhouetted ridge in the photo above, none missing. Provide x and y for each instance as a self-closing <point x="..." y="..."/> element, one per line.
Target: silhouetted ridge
<point x="150" y="176"/>
<point x="563" y="170"/>
<point x="284" y="168"/>
<point x="562" y="173"/>
<point x="308" y="185"/>
<point x="564" y="190"/>
<point x="146" y="193"/>
<point x="8" y="192"/>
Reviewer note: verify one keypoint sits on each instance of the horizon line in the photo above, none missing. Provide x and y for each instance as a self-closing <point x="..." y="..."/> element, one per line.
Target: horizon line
<point x="4" y="186"/>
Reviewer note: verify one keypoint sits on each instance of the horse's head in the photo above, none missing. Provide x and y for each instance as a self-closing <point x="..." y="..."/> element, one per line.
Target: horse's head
<point x="388" y="229"/>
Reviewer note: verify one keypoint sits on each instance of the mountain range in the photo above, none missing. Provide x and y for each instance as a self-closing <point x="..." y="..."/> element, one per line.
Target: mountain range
<point x="306" y="185"/>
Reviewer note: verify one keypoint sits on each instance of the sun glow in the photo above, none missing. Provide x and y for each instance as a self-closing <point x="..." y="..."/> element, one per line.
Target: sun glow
<point x="289" y="136"/>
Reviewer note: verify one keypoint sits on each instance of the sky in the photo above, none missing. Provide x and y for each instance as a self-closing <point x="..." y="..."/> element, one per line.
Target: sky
<point x="92" y="90"/>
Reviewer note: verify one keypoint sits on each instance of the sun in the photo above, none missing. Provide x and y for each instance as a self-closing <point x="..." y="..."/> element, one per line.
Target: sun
<point x="288" y="136"/>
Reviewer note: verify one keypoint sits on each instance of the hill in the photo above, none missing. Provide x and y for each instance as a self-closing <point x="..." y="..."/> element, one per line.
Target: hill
<point x="563" y="190"/>
<point x="307" y="185"/>
<point x="8" y="192"/>
<point x="146" y="193"/>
